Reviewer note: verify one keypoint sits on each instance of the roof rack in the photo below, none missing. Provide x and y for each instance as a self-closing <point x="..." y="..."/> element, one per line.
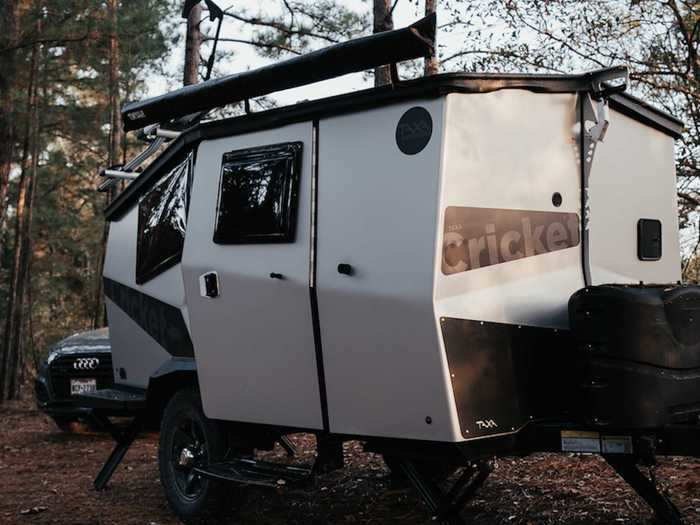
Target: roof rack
<point x="390" y="47"/>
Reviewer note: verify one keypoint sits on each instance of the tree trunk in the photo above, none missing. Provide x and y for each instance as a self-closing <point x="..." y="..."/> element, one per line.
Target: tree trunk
<point x="383" y="21"/>
<point x="115" y="133"/>
<point x="9" y="21"/>
<point x="25" y="263"/>
<point x="431" y="64"/>
<point x="12" y="338"/>
<point x="193" y="45"/>
<point x="99" y="318"/>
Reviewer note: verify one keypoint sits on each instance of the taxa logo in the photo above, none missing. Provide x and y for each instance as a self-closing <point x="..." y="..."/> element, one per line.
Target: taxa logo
<point x="478" y="237"/>
<point x="486" y="424"/>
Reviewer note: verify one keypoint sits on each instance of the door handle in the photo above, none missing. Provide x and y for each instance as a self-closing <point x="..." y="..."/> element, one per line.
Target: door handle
<point x="209" y="285"/>
<point x="274" y="275"/>
<point x="346" y="269"/>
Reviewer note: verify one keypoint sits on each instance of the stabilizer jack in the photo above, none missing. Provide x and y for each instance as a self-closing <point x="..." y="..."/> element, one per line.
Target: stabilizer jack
<point x="446" y="505"/>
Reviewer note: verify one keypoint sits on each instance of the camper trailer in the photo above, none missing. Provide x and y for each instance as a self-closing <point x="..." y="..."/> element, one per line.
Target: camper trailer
<point x="448" y="269"/>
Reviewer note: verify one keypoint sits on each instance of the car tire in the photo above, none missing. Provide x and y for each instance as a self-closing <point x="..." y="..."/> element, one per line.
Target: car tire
<point x="189" y="439"/>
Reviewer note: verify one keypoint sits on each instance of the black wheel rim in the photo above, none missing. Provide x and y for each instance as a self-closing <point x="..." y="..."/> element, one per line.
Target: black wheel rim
<point x="188" y="451"/>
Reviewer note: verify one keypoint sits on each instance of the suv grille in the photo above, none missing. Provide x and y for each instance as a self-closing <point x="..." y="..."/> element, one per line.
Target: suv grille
<point x="62" y="371"/>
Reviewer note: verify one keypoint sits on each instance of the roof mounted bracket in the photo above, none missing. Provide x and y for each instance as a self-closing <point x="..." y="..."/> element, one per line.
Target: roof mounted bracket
<point x="606" y="82"/>
<point x="595" y="112"/>
<point x="114" y="175"/>
<point x="167" y="134"/>
<point x="594" y="103"/>
<point x="593" y="120"/>
<point x="118" y="174"/>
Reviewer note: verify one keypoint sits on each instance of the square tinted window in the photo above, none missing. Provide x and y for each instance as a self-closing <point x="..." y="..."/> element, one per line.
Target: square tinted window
<point x="162" y="222"/>
<point x="258" y="195"/>
<point x="649" y="239"/>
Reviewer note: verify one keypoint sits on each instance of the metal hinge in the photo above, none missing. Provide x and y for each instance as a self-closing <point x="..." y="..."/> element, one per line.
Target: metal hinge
<point x="593" y="120"/>
<point x="596" y="118"/>
<point x="596" y="115"/>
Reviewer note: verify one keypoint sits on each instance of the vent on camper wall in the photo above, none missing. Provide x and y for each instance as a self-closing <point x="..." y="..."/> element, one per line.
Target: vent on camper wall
<point x="389" y="47"/>
<point x="649" y="239"/>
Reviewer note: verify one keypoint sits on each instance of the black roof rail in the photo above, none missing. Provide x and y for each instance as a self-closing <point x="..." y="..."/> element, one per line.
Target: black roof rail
<point x="390" y="47"/>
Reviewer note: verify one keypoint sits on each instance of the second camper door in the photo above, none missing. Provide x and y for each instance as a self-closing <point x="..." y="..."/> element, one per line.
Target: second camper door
<point x="378" y="186"/>
<point x="246" y="274"/>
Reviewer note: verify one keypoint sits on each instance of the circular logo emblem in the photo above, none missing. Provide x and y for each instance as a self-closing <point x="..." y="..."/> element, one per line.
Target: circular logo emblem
<point x="414" y="130"/>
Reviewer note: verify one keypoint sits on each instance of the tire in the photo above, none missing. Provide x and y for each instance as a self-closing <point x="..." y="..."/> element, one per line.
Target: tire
<point x="192" y="498"/>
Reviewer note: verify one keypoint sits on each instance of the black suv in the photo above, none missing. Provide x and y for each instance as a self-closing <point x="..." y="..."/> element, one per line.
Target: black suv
<point x="78" y="364"/>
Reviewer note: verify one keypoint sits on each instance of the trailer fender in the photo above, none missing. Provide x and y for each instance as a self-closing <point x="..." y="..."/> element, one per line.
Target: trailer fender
<point x="174" y="375"/>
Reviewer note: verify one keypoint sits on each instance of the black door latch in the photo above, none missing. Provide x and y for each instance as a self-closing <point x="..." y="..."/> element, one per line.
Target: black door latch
<point x="345" y="269"/>
<point x="211" y="284"/>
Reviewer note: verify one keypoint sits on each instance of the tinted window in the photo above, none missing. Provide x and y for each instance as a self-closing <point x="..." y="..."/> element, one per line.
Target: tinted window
<point x="258" y="195"/>
<point x="162" y="221"/>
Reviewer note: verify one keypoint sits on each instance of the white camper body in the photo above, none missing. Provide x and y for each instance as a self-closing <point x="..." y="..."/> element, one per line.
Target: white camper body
<point x="448" y="269"/>
<point x="466" y="228"/>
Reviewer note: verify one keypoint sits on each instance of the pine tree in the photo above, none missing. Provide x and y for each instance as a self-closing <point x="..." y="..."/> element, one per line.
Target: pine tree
<point x="9" y="20"/>
<point x="383" y="21"/>
<point x="193" y="44"/>
<point x="12" y="335"/>
<point x="432" y="65"/>
<point x="69" y="131"/>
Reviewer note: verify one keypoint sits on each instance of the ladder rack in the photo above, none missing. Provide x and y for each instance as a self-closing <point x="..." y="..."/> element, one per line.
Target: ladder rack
<point x="157" y="137"/>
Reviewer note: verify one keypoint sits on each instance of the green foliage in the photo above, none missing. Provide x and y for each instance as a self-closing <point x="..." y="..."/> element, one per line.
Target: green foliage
<point x="72" y="39"/>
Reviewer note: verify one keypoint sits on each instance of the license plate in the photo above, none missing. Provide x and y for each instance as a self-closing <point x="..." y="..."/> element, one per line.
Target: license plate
<point x="82" y="386"/>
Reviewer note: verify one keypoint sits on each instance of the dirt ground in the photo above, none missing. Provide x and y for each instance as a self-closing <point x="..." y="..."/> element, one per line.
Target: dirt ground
<point x="46" y="477"/>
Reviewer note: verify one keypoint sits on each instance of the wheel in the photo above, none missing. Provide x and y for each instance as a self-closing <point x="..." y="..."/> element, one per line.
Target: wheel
<point x="188" y="439"/>
<point x="64" y="424"/>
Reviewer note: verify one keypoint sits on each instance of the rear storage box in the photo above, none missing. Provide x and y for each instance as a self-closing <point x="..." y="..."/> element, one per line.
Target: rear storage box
<point x="639" y="349"/>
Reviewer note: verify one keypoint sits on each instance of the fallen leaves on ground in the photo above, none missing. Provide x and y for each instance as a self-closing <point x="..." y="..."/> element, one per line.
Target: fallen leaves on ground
<point x="46" y="478"/>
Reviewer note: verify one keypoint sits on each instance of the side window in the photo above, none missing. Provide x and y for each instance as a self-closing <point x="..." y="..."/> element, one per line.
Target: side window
<point x="258" y="194"/>
<point x="162" y="222"/>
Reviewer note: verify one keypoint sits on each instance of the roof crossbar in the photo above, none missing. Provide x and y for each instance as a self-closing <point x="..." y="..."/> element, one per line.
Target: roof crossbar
<point x="389" y="47"/>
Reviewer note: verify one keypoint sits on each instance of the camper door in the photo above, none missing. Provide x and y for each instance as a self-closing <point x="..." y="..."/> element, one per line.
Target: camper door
<point x="633" y="217"/>
<point x="246" y="273"/>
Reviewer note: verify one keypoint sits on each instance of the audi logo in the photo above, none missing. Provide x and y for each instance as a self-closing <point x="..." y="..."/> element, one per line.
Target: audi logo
<point x="86" y="363"/>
